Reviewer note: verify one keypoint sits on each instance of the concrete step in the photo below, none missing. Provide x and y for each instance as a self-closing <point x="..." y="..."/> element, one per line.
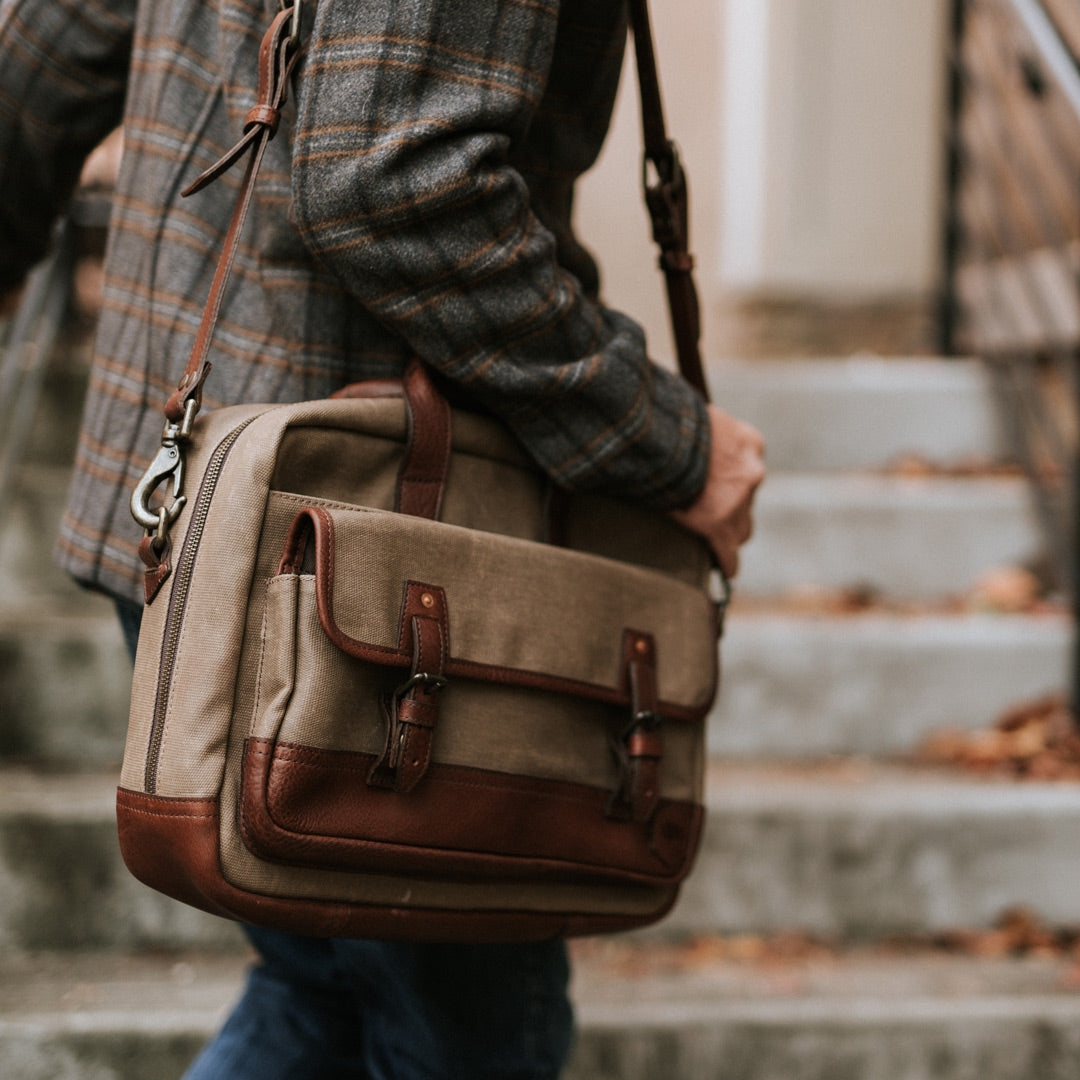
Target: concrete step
<point x="63" y="884"/>
<point x="845" y="849"/>
<point x="851" y="1018"/>
<point x="863" y="412"/>
<point x="871" y="1017"/>
<point x="901" y="537"/>
<point x="857" y="849"/>
<point x="876" y="683"/>
<point x="65" y="681"/>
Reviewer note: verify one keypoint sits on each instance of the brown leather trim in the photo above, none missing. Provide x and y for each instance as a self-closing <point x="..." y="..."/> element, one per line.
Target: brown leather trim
<point x="172" y="846"/>
<point x="412" y="714"/>
<point x="266" y="115"/>
<point x="317" y="522"/>
<point x="421" y="600"/>
<point x="640" y="788"/>
<point x="667" y="202"/>
<point x="277" y="58"/>
<point x="421" y="480"/>
<point x="164" y="842"/>
<point x="312" y="807"/>
<point x="158" y="567"/>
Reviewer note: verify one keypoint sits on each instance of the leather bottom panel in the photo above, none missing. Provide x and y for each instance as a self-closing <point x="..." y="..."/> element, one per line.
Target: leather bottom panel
<point x="171" y="844"/>
<point x="311" y="807"/>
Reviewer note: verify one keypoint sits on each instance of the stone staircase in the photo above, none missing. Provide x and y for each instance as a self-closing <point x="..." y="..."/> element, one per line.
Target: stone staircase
<point x="821" y="830"/>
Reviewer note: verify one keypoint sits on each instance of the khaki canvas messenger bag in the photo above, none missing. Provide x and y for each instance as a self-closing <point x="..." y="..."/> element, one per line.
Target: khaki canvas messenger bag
<point x="390" y="684"/>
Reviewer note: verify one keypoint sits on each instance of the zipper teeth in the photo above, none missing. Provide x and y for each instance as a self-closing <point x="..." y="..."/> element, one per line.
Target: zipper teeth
<point x="178" y="600"/>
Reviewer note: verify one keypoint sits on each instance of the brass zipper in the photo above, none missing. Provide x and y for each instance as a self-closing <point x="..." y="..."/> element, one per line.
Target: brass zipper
<point x="178" y="599"/>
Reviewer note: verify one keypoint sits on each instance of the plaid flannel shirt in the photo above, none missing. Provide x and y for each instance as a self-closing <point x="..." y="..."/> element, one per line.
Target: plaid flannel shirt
<point x="416" y="201"/>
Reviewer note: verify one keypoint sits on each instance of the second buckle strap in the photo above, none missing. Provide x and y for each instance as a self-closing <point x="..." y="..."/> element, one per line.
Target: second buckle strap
<point x="412" y="711"/>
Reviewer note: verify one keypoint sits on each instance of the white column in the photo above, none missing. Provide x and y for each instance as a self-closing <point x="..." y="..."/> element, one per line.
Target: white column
<point x="832" y="147"/>
<point x="813" y="134"/>
<point x="610" y="213"/>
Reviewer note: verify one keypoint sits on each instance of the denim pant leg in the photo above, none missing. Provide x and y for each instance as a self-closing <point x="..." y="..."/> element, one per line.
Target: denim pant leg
<point x="294" y="1021"/>
<point x="337" y="1009"/>
<point x="461" y="1012"/>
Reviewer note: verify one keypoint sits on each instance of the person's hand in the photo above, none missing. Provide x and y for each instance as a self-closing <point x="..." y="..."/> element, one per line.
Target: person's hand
<point x="722" y="512"/>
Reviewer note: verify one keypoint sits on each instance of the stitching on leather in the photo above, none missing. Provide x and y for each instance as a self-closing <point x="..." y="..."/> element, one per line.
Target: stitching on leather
<point x="311" y="758"/>
<point x="157" y="813"/>
<point x="313" y="502"/>
<point x="290" y="833"/>
<point x="262" y="658"/>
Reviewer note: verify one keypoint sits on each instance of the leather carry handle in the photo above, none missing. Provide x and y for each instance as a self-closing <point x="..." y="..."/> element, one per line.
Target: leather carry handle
<point x="421" y="479"/>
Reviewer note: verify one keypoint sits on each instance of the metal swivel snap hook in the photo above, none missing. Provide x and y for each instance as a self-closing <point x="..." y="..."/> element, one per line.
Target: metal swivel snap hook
<point x="168" y="464"/>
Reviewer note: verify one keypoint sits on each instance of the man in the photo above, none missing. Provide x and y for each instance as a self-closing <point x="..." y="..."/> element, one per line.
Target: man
<point x="416" y="201"/>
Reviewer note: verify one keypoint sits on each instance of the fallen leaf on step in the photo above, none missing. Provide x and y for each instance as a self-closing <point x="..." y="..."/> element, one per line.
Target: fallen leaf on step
<point x="1007" y="589"/>
<point x="1038" y="740"/>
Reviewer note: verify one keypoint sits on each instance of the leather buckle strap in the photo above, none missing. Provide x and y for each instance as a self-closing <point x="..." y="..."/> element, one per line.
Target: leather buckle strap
<point x="639" y="747"/>
<point x="412" y="710"/>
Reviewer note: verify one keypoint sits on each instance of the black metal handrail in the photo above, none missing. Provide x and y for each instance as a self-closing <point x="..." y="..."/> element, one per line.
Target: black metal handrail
<point x="1012" y="244"/>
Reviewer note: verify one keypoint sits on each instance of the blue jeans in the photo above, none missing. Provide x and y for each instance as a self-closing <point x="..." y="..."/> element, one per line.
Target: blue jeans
<point x="331" y="1008"/>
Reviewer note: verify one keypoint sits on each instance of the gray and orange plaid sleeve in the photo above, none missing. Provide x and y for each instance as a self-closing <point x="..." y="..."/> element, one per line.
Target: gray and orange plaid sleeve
<point x="417" y="201"/>
<point x="417" y="124"/>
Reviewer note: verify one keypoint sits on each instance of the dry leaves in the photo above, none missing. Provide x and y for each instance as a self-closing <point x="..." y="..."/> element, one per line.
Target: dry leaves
<point x="1006" y="590"/>
<point x="631" y="959"/>
<point x="1019" y="932"/>
<point x="915" y="466"/>
<point x="1038" y="740"/>
<point x="1010" y="590"/>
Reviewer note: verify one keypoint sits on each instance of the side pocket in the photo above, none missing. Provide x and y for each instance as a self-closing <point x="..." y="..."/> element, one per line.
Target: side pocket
<point x="309" y="693"/>
<point x="277" y="659"/>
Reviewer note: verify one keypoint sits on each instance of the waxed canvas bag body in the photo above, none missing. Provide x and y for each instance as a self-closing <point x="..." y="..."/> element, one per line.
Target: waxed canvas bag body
<point x="389" y="683"/>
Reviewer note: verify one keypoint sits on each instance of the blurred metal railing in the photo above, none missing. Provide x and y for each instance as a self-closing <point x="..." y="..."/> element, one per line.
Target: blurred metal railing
<point x="27" y="338"/>
<point x="1012" y="241"/>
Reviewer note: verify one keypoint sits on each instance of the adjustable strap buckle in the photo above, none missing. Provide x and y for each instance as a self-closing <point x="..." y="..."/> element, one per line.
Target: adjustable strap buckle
<point x="639" y="748"/>
<point x="412" y="710"/>
<point x="430" y="683"/>
<point x="666" y="197"/>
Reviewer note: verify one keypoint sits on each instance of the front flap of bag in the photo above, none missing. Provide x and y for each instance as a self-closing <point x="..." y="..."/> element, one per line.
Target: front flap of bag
<point x="517" y="612"/>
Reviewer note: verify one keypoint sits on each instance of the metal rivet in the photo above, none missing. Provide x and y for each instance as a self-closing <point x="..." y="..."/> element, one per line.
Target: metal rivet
<point x="427" y="599"/>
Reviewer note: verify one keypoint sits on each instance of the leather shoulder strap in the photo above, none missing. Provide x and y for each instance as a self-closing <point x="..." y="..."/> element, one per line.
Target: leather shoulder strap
<point x="666" y="197"/>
